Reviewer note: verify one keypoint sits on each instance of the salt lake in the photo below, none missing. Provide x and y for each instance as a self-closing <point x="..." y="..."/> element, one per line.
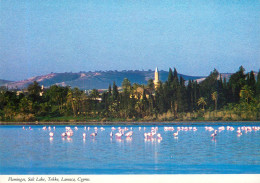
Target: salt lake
<point x="193" y="151"/>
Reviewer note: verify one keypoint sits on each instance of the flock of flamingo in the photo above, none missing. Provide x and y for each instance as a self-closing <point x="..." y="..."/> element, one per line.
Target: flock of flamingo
<point x="149" y="135"/>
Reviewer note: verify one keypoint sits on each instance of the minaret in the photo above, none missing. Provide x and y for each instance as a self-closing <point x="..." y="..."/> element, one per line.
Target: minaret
<point x="156" y="78"/>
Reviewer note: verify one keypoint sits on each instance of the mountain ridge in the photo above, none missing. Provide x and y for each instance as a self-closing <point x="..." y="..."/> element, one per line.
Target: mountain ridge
<point x="89" y="80"/>
<point x="98" y="79"/>
<point x="3" y="82"/>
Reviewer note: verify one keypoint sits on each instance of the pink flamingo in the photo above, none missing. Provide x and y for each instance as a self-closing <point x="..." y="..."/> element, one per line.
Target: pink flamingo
<point x="239" y="131"/>
<point x="93" y="134"/>
<point x="69" y="134"/>
<point x="149" y="135"/>
<point x="221" y="128"/>
<point x="214" y="134"/>
<point x="84" y="135"/>
<point x="129" y="134"/>
<point x="118" y="135"/>
<point x="159" y="136"/>
<point x="145" y="135"/>
<point x="67" y="128"/>
<point x="111" y="134"/>
<point x="63" y="134"/>
<point x="176" y="134"/>
<point x="51" y="134"/>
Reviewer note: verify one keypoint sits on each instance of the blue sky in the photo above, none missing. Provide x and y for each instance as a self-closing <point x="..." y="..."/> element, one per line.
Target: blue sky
<point x="196" y="36"/>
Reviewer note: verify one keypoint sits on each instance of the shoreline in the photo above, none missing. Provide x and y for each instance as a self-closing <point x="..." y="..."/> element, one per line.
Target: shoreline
<point x="126" y="123"/>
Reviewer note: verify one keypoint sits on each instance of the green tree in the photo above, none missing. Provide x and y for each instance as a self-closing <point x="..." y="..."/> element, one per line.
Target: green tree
<point x="115" y="93"/>
<point x="74" y="100"/>
<point x="236" y="82"/>
<point x="190" y="96"/>
<point x="214" y="97"/>
<point x="170" y="76"/>
<point x="209" y="85"/>
<point x="77" y="99"/>
<point x="175" y="74"/>
<point x="257" y="90"/>
<point x="70" y="103"/>
<point x="94" y="94"/>
<point x="246" y="93"/>
<point x="56" y="97"/>
<point x="202" y="102"/>
<point x="126" y="85"/>
<point x="26" y="107"/>
<point x="251" y="81"/>
<point x="34" y="91"/>
<point x="109" y="90"/>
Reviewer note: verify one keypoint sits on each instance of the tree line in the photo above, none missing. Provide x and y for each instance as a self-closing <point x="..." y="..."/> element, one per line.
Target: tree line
<point x="215" y="98"/>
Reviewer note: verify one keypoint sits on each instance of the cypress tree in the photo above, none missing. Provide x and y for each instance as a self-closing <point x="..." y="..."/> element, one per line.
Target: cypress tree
<point x="196" y="91"/>
<point x="170" y="76"/>
<point x="115" y="92"/>
<point x="251" y="81"/>
<point x="175" y="74"/>
<point x="221" y="92"/>
<point x="190" y="96"/>
<point x="257" y="91"/>
<point x="235" y="84"/>
<point x="109" y="89"/>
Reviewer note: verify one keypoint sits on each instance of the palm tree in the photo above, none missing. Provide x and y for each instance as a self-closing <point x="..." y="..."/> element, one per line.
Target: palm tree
<point x="246" y="93"/>
<point x="202" y="102"/>
<point x="214" y="96"/>
<point x="71" y="102"/>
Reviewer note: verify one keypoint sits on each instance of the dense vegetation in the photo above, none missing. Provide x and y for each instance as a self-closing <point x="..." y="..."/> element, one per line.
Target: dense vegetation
<point x="212" y="99"/>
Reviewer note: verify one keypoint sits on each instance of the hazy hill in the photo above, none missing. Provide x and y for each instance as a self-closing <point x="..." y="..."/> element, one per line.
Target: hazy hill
<point x="90" y="80"/>
<point x="3" y="82"/>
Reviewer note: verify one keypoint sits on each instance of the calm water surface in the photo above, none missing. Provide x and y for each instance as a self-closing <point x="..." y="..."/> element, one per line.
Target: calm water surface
<point x="34" y="152"/>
